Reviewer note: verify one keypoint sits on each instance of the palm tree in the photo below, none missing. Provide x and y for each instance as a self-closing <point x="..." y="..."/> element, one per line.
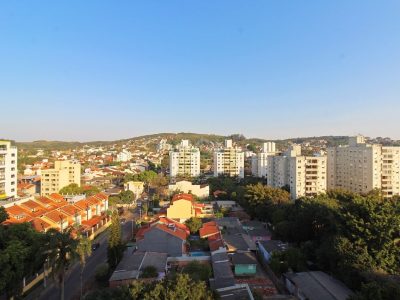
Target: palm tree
<point x="62" y="251"/>
<point x="84" y="249"/>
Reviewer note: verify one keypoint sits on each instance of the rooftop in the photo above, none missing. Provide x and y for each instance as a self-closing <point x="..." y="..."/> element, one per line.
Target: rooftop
<point x="245" y="258"/>
<point x="318" y="285"/>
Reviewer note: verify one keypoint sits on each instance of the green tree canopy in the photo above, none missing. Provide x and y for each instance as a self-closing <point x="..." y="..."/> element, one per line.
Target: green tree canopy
<point x="194" y="224"/>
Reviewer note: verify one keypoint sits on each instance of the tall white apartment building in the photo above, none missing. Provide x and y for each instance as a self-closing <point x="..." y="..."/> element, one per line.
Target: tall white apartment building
<point x="184" y="160"/>
<point x="259" y="162"/>
<point x="124" y="156"/>
<point x="64" y="173"/>
<point x="8" y="170"/>
<point x="163" y="145"/>
<point x="360" y="167"/>
<point x="229" y="161"/>
<point x="304" y="175"/>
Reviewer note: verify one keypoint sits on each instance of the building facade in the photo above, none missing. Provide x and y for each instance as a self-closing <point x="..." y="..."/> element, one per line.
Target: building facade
<point x="124" y="156"/>
<point x="184" y="186"/>
<point x="360" y="167"/>
<point x="184" y="160"/>
<point x="303" y="175"/>
<point x="259" y="162"/>
<point x="8" y="170"/>
<point x="229" y="161"/>
<point x="64" y="173"/>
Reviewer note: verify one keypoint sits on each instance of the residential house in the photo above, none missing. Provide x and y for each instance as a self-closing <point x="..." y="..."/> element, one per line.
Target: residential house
<point x="181" y="207"/>
<point x="223" y="275"/>
<point x="134" y="262"/>
<point x="267" y="248"/>
<point x="316" y="285"/>
<point x="137" y="187"/>
<point x="184" y="186"/>
<point x="245" y="264"/>
<point x="162" y="238"/>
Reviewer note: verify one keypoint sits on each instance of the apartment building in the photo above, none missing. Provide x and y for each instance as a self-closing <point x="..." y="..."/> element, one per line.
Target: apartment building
<point x="360" y="167"/>
<point x="184" y="160"/>
<point x="64" y="173"/>
<point x="124" y="156"/>
<point x="259" y="162"/>
<point x="304" y="175"/>
<point x="8" y="170"/>
<point x="229" y="161"/>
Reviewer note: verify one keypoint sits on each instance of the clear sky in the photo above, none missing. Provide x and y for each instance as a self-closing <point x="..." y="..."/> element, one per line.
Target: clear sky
<point x="102" y="70"/>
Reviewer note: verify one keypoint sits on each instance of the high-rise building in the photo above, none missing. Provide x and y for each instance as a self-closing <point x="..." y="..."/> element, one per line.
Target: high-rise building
<point x="259" y="162"/>
<point x="8" y="170"/>
<point x="229" y="161"/>
<point x="360" y="167"/>
<point x="184" y="160"/>
<point x="303" y="175"/>
<point x="64" y="173"/>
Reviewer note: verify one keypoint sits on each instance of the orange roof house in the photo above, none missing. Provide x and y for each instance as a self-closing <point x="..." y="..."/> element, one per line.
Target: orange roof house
<point x="209" y="229"/>
<point x="17" y="214"/>
<point x="40" y="225"/>
<point x="188" y="197"/>
<point x="35" y="208"/>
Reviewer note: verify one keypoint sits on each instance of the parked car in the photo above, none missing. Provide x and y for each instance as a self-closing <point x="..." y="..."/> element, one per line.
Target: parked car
<point x="95" y="246"/>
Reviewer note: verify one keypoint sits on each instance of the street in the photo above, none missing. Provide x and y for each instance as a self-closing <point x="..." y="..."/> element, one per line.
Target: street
<point x="99" y="256"/>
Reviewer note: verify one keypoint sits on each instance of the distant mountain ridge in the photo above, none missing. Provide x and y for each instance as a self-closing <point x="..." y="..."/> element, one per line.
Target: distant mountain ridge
<point x="195" y="138"/>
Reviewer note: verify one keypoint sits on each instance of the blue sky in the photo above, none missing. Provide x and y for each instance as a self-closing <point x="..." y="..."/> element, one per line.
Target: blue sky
<point x="102" y="70"/>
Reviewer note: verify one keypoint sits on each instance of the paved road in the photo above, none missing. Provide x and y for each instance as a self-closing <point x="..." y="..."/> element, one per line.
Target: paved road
<point x="99" y="256"/>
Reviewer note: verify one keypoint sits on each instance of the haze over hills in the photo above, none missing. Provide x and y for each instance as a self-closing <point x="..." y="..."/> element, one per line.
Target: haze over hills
<point x="198" y="138"/>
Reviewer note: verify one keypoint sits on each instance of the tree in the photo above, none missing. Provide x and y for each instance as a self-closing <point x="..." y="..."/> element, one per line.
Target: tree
<point x="127" y="197"/>
<point x="62" y="251"/>
<point x="194" y="224"/>
<point x="115" y="246"/>
<point x="3" y="214"/>
<point x="21" y="255"/>
<point x="71" y="189"/>
<point x="149" y="272"/>
<point x="197" y="271"/>
<point x="84" y="249"/>
<point x="179" y="288"/>
<point x="259" y="199"/>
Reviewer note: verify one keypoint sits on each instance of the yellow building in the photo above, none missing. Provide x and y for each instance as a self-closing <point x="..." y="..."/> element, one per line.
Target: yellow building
<point x="137" y="187"/>
<point x="181" y="208"/>
<point x="64" y="173"/>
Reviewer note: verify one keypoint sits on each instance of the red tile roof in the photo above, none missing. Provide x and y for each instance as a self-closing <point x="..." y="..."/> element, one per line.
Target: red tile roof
<point x="39" y="224"/>
<point x="188" y="197"/>
<point x="83" y="204"/>
<point x="166" y="221"/>
<point x="17" y="210"/>
<point x="57" y="197"/>
<point x="56" y="216"/>
<point x="215" y="242"/>
<point x="208" y="230"/>
<point x="175" y="232"/>
<point x="93" y="221"/>
<point x="71" y="209"/>
<point x="101" y="196"/>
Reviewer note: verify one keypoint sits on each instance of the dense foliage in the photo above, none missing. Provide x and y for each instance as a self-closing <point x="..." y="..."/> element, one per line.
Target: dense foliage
<point x="194" y="224"/>
<point x="349" y="235"/>
<point x="21" y="254"/>
<point x="180" y="287"/>
<point x="115" y="246"/>
<point x="198" y="271"/>
<point x="125" y="197"/>
<point x="74" y="189"/>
